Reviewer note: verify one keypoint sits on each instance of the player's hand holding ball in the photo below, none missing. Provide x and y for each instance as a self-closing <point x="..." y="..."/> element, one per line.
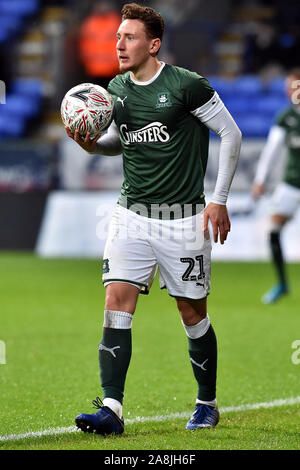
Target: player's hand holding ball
<point x="86" y="142"/>
<point x="86" y="111"/>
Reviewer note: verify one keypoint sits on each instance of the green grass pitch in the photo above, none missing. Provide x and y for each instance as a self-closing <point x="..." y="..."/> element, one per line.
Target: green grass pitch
<point x="51" y="321"/>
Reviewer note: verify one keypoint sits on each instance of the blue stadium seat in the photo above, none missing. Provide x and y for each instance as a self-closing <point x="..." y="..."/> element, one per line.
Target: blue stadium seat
<point x="27" y="86"/>
<point x="252" y="103"/>
<point x="4" y="34"/>
<point x="271" y="104"/>
<point x="19" y="7"/>
<point x="11" y="127"/>
<point x="247" y="85"/>
<point x="237" y="104"/>
<point x="9" y="25"/>
<point x="277" y="86"/>
<point x="222" y="85"/>
<point x="254" y="125"/>
<point x="12" y="13"/>
<point x="21" y="105"/>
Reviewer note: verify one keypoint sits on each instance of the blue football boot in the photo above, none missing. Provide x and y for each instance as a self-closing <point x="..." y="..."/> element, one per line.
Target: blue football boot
<point x="274" y="294"/>
<point x="104" y="421"/>
<point x="204" y="416"/>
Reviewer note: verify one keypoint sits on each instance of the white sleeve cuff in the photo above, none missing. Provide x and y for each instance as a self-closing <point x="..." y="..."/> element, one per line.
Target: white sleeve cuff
<point x="109" y="144"/>
<point x="209" y="109"/>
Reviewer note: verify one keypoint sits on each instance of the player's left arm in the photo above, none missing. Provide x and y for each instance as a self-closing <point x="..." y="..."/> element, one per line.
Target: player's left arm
<point x="217" y="118"/>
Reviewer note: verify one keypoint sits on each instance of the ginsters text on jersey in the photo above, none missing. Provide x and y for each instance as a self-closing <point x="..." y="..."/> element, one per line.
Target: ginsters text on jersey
<point x="153" y="132"/>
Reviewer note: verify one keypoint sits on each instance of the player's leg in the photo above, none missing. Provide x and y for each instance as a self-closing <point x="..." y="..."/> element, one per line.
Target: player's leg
<point x="202" y="347"/>
<point x="128" y="268"/>
<point x="285" y="202"/>
<point x="184" y="260"/>
<point x="114" y="359"/>
<point x="115" y="345"/>
<point x="281" y="287"/>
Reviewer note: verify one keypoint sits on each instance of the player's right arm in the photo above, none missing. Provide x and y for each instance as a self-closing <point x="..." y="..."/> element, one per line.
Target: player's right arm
<point x="271" y="150"/>
<point x="109" y="144"/>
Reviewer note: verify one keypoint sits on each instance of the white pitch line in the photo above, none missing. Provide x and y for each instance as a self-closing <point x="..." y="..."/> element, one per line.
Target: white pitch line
<point x="156" y="419"/>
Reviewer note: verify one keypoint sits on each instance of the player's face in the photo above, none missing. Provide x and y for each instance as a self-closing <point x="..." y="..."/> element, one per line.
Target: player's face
<point x="293" y="89"/>
<point x="134" y="48"/>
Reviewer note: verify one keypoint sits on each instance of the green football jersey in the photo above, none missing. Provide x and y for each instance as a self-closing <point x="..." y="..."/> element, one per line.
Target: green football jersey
<point x="290" y="121"/>
<point x="165" y="148"/>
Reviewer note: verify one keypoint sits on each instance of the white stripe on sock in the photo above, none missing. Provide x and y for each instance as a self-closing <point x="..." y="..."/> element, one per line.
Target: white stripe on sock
<point x="198" y="330"/>
<point x="117" y="320"/>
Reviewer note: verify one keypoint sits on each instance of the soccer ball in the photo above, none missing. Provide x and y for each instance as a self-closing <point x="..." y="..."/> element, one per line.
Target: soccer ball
<point x="88" y="108"/>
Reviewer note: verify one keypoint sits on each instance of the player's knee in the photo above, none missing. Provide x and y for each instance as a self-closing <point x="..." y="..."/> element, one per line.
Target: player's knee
<point x="115" y="301"/>
<point x="121" y="297"/>
<point x="191" y="311"/>
<point x="277" y="222"/>
<point x="275" y="228"/>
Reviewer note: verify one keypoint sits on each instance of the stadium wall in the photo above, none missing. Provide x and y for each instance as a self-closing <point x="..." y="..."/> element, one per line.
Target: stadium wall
<point x="21" y="216"/>
<point x="75" y="224"/>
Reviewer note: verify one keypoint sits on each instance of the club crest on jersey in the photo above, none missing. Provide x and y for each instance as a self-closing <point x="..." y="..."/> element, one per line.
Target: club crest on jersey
<point x="163" y="100"/>
<point x="105" y="266"/>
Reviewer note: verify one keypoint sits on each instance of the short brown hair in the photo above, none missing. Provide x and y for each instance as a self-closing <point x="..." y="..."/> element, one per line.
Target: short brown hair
<point x="153" y="21"/>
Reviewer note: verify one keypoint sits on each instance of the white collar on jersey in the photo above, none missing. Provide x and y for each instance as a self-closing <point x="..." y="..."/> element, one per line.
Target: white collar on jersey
<point x="151" y="79"/>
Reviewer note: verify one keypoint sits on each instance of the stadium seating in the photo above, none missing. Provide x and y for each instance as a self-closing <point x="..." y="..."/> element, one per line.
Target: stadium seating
<point x="30" y="87"/>
<point x="254" y="125"/>
<point x="23" y="101"/>
<point x="9" y="25"/>
<point x="12" y="15"/>
<point x="19" y="7"/>
<point x="252" y="102"/>
<point x="22" y="104"/>
<point x="10" y="128"/>
<point x="248" y="86"/>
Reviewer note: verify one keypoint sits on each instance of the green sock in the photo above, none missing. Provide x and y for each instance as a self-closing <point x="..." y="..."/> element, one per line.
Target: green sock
<point x="114" y="359"/>
<point x="203" y="356"/>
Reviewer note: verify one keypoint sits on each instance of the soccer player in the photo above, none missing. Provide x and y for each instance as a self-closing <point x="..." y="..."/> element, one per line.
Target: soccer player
<point x="285" y="133"/>
<point x="161" y="125"/>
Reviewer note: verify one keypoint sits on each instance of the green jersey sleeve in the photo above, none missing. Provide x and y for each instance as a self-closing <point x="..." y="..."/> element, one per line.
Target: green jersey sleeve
<point x="196" y="90"/>
<point x="280" y="118"/>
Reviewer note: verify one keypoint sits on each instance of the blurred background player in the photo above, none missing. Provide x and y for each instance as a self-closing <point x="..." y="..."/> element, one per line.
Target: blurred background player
<point x="286" y="198"/>
<point x="97" y="43"/>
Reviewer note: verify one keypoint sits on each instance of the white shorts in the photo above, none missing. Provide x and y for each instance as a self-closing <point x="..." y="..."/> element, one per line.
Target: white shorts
<point x="285" y="200"/>
<point x="138" y="246"/>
